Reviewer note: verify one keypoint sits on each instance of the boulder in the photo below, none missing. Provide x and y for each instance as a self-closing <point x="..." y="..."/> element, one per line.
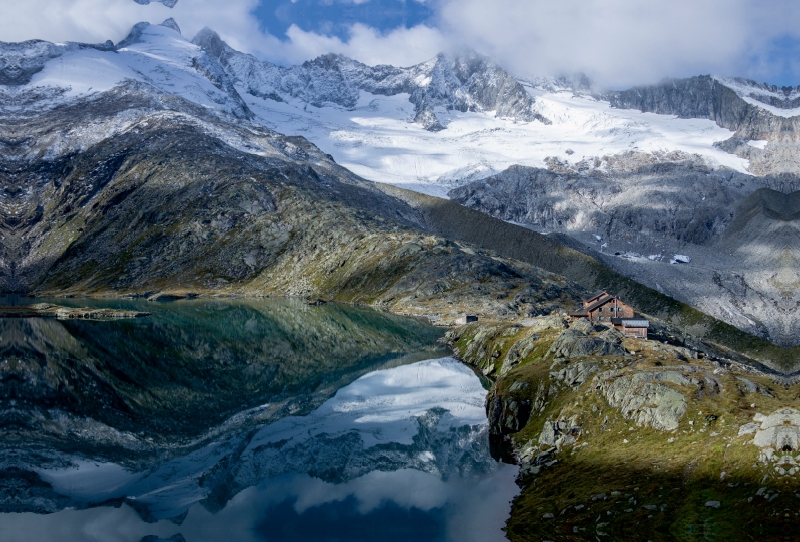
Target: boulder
<point x="572" y="343"/>
<point x="575" y="374"/>
<point x="584" y="325"/>
<point x="560" y="433"/>
<point x="643" y="398"/>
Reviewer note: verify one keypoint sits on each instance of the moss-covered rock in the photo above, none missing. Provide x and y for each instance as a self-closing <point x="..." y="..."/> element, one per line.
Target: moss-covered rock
<point x="636" y="446"/>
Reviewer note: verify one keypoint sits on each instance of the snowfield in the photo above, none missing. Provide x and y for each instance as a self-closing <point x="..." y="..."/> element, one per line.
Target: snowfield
<point x="378" y="141"/>
<point x="162" y="58"/>
<point x="378" y="138"/>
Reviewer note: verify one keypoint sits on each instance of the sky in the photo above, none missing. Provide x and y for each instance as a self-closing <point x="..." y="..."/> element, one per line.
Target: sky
<point x="617" y="43"/>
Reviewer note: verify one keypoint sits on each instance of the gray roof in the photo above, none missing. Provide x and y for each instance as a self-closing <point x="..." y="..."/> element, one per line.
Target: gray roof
<point x="627" y="322"/>
<point x="602" y="301"/>
<point x="594" y="295"/>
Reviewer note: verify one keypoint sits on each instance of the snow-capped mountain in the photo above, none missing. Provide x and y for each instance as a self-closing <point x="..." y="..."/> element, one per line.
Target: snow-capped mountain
<point x="37" y="74"/>
<point x="466" y="82"/>
<point x="433" y="127"/>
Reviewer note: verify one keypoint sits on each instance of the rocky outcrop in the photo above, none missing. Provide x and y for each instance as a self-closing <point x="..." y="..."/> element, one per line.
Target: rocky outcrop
<point x="574" y="374"/>
<point x="518" y="351"/>
<point x="508" y="414"/>
<point x="21" y="61"/>
<point x="645" y="398"/>
<point x="573" y="343"/>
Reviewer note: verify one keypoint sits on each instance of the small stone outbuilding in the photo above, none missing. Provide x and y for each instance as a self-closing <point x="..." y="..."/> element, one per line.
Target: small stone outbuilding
<point x="466" y="319"/>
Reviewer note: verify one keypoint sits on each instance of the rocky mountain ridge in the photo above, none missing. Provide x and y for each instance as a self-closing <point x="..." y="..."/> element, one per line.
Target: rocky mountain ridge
<point x="465" y="82"/>
<point x="755" y="112"/>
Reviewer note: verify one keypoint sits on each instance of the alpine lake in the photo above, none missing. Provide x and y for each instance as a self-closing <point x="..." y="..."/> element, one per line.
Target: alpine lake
<point x="241" y="420"/>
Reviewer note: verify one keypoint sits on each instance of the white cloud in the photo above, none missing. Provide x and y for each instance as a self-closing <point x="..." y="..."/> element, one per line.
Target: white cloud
<point x="475" y="510"/>
<point x="616" y="42"/>
<point x="619" y="42"/>
<point x="99" y="20"/>
<point x="400" y="47"/>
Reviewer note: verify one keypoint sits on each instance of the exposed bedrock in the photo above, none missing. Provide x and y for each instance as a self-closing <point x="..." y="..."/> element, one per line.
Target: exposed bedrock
<point x="736" y="104"/>
<point x="636" y="212"/>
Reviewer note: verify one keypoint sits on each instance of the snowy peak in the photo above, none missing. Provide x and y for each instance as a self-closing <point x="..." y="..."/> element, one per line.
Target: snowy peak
<point x="157" y="56"/>
<point x="471" y="82"/>
<point x="466" y="82"/>
<point x="780" y="101"/>
<point x="139" y="29"/>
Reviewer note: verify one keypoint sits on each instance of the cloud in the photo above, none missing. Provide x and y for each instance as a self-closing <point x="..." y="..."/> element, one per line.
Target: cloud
<point x="619" y="42"/>
<point x="616" y="42"/>
<point x="400" y="47"/>
<point x="99" y="20"/>
<point x="472" y="510"/>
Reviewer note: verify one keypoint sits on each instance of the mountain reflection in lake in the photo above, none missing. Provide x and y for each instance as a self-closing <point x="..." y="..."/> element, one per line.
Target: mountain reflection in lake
<point x="243" y="420"/>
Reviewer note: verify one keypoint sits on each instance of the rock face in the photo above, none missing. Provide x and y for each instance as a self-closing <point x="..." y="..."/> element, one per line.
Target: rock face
<point x="753" y="111"/>
<point x="576" y="344"/>
<point x="636" y="213"/>
<point x="645" y="398"/>
<point x="466" y="82"/>
<point x="508" y="415"/>
<point x="675" y="198"/>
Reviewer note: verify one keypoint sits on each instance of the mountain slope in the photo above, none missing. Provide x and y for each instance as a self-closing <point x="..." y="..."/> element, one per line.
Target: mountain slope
<point x="755" y="112"/>
<point x="637" y="212"/>
<point x="139" y="187"/>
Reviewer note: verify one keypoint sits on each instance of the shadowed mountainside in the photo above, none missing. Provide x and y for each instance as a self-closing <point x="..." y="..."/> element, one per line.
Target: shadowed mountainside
<point x="635" y="212"/>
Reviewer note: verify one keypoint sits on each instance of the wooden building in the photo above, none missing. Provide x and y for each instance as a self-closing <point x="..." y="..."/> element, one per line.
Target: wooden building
<point x="633" y="327"/>
<point x="601" y="307"/>
<point x="606" y="309"/>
